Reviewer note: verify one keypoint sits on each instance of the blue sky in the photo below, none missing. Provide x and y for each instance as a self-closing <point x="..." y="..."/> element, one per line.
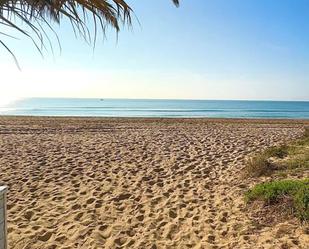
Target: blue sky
<point x="223" y="49"/>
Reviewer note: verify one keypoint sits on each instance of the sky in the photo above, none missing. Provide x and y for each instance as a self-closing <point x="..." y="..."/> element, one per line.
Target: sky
<point x="205" y="49"/>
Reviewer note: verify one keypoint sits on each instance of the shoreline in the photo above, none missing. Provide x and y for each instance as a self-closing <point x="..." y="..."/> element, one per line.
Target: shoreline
<point x="207" y="119"/>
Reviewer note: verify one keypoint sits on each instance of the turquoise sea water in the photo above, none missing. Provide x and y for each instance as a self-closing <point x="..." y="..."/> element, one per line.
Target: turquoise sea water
<point x="156" y="108"/>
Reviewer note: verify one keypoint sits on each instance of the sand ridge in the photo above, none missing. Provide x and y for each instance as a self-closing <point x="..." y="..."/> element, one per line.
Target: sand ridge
<point x="134" y="183"/>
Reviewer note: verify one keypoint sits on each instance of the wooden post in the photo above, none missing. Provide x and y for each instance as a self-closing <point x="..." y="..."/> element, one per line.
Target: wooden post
<point x="3" y="225"/>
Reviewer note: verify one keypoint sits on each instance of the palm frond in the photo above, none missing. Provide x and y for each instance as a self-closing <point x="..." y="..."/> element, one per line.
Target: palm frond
<point x="176" y="2"/>
<point x="31" y="14"/>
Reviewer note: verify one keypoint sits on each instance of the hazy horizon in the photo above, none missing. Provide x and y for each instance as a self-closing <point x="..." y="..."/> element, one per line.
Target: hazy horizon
<point x="111" y="98"/>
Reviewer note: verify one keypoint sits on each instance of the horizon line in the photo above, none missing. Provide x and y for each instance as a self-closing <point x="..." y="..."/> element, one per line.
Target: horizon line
<point x="175" y="99"/>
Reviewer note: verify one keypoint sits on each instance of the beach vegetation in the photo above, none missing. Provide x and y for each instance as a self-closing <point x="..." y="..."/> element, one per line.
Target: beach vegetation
<point x="295" y="191"/>
<point x="258" y="166"/>
<point x="286" y="157"/>
<point x="306" y="134"/>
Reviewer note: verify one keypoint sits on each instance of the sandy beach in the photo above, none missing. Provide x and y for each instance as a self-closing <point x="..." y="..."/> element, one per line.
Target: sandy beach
<point x="137" y="183"/>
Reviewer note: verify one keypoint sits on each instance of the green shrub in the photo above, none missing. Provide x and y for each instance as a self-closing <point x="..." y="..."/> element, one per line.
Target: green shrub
<point x="301" y="200"/>
<point x="272" y="192"/>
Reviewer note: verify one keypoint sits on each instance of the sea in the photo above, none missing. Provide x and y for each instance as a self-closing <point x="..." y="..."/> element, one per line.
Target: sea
<point x="77" y="107"/>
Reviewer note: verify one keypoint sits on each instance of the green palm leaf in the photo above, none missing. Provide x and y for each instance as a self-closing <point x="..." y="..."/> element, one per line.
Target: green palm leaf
<point x="34" y="13"/>
<point x="23" y="15"/>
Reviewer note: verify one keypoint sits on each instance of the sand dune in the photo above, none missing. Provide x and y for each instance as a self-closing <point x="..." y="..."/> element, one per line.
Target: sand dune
<point x="134" y="183"/>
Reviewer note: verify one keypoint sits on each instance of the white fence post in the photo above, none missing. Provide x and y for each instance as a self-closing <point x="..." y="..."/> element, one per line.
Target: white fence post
<point x="3" y="225"/>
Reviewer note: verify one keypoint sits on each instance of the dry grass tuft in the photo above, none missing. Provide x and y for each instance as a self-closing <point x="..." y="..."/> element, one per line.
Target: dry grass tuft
<point x="258" y="166"/>
<point x="306" y="134"/>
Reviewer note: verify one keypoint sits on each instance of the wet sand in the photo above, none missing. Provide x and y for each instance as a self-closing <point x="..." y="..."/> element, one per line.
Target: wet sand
<point x="137" y="183"/>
